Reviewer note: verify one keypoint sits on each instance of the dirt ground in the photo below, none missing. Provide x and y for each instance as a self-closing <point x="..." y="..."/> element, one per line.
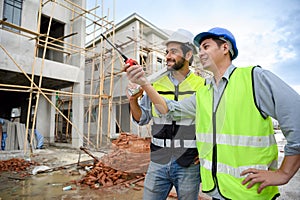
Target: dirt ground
<point x="65" y="174"/>
<point x="51" y="184"/>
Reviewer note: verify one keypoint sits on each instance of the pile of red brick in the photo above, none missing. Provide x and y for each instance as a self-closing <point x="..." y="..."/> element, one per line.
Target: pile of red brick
<point x="130" y="154"/>
<point x="127" y="163"/>
<point x="16" y="165"/>
<point x="102" y="175"/>
<point x="132" y="143"/>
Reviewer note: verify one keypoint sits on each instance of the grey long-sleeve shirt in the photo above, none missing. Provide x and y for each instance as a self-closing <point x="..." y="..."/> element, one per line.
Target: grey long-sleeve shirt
<point x="274" y="98"/>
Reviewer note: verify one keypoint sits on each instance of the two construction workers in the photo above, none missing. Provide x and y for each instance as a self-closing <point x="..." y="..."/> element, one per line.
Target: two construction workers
<point x="232" y="112"/>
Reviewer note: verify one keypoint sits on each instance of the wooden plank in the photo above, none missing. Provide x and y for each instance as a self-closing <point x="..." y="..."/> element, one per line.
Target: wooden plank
<point x="20" y="135"/>
<point x="11" y="136"/>
<point x="23" y="131"/>
<point x="34" y="142"/>
<point x="8" y="131"/>
<point x="18" y="27"/>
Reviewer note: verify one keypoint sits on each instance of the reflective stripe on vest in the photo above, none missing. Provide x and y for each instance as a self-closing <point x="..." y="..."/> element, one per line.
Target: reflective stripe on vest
<point x="227" y="169"/>
<point x="238" y="140"/>
<point x="162" y="142"/>
<point x="233" y="138"/>
<point x="164" y="120"/>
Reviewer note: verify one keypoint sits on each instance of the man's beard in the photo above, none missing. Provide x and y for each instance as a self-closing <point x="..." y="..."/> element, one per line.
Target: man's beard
<point x="178" y="65"/>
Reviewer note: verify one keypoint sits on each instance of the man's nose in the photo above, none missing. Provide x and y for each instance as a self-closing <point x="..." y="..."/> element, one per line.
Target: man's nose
<point x="168" y="54"/>
<point x="201" y="52"/>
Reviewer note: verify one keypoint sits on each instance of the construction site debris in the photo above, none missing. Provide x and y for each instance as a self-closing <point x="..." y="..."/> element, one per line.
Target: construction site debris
<point x="89" y="153"/>
<point x="132" y="143"/>
<point x="16" y="165"/>
<point x="40" y="168"/>
<point x="130" y="153"/>
<point x="102" y="175"/>
<point x="126" y="164"/>
<point x="69" y="187"/>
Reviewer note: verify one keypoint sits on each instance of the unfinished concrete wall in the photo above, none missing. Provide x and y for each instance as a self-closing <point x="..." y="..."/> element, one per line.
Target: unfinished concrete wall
<point x="137" y="39"/>
<point x="20" y="48"/>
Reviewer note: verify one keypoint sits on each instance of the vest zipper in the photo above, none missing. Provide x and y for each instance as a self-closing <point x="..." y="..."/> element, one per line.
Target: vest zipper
<point x="176" y="92"/>
<point x="214" y="158"/>
<point x="215" y="154"/>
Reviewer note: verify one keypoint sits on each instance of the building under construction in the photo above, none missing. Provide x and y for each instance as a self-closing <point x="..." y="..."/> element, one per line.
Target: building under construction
<point x="61" y="77"/>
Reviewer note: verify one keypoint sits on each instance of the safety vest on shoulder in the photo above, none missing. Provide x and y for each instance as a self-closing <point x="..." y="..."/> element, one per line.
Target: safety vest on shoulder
<point x="233" y="138"/>
<point x="170" y="138"/>
<point x="166" y="88"/>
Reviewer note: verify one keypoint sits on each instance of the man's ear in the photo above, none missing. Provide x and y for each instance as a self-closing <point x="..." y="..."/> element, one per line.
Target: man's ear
<point x="226" y="48"/>
<point x="188" y="55"/>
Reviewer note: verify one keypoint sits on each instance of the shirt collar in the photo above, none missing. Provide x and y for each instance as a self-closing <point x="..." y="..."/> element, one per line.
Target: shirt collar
<point x="225" y="76"/>
<point x="174" y="80"/>
<point x="228" y="72"/>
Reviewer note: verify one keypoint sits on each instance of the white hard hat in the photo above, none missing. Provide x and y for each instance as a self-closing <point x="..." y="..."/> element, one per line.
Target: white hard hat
<point x="182" y="36"/>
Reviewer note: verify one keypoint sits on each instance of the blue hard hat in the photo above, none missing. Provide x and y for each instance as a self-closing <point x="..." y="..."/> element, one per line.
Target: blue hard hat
<point x="221" y="33"/>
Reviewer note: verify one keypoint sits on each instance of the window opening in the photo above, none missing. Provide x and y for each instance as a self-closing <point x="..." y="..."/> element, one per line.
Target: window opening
<point x="56" y="31"/>
<point x="12" y="13"/>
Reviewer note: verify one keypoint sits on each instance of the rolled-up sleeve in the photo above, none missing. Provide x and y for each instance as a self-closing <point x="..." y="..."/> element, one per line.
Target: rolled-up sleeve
<point x="145" y="106"/>
<point x="277" y="99"/>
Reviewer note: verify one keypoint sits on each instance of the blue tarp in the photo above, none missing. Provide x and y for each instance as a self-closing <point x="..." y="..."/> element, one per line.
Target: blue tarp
<point x="39" y="139"/>
<point x="4" y="133"/>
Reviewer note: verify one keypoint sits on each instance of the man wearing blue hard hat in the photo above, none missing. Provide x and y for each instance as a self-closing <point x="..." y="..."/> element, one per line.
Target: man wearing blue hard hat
<point x="221" y="34"/>
<point x="243" y="161"/>
<point x="235" y="137"/>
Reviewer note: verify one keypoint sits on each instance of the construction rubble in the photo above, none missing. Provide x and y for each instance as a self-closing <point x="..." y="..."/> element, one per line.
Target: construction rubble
<point x="118" y="173"/>
<point x="125" y="164"/>
<point x="16" y="165"/>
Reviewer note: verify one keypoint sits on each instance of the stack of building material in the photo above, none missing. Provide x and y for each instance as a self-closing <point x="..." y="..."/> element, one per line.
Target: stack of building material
<point x="132" y="143"/>
<point x="16" y="137"/>
<point x="16" y="165"/>
<point x="126" y="163"/>
<point x="130" y="154"/>
<point x="104" y="176"/>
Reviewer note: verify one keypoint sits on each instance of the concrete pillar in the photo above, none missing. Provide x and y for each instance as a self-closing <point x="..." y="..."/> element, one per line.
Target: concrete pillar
<point x="52" y="112"/>
<point x="78" y="115"/>
<point x="78" y="87"/>
<point x="43" y="117"/>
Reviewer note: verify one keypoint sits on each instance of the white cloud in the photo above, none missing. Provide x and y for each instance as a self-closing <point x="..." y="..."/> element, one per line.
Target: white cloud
<point x="286" y="53"/>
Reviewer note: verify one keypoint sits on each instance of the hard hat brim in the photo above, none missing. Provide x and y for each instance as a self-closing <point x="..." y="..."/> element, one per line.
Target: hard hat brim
<point x="204" y="35"/>
<point x="194" y="49"/>
<point x="201" y="36"/>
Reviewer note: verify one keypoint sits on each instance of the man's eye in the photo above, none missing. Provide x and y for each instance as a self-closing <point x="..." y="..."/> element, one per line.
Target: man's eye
<point x="174" y="51"/>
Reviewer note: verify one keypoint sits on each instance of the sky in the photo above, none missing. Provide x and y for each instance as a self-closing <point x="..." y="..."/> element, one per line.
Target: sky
<point x="267" y="32"/>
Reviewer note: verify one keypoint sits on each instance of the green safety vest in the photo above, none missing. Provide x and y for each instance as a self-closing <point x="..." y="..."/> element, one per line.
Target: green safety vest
<point x="170" y="138"/>
<point x="234" y="138"/>
<point x="186" y="88"/>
